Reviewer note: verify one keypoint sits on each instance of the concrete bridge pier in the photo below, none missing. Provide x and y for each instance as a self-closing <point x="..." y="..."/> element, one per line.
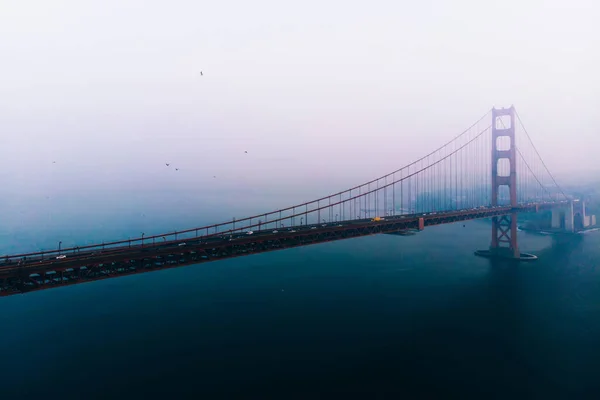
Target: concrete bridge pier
<point x="572" y="218"/>
<point x="562" y="218"/>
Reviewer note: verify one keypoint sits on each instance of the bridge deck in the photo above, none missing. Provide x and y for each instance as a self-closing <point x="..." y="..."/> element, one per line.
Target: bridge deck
<point x="36" y="273"/>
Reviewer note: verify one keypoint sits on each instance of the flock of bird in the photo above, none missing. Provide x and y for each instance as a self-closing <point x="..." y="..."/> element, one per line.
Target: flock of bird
<point x="177" y="169"/>
<point x="169" y="164"/>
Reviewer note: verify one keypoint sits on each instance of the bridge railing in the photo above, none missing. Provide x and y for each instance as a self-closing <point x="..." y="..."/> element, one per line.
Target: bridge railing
<point x="131" y="244"/>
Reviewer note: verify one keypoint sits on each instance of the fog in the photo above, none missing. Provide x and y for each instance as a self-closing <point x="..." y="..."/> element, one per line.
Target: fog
<point x="322" y="95"/>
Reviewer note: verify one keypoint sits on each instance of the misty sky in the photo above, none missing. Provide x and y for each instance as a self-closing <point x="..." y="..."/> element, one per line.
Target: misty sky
<point x="338" y="91"/>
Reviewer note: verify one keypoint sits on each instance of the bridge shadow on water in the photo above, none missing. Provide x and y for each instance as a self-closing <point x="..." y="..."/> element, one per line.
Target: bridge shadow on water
<point x="519" y="333"/>
<point x="515" y="333"/>
<point x="375" y="317"/>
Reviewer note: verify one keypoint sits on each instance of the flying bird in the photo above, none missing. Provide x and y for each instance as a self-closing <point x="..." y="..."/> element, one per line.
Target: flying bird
<point x="176" y="169"/>
<point x="167" y="164"/>
<point x="246" y="151"/>
<point x="201" y="74"/>
<point x="53" y="162"/>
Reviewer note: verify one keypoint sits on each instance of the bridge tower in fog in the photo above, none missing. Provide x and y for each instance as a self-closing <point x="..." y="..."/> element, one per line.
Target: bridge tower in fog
<point x="504" y="228"/>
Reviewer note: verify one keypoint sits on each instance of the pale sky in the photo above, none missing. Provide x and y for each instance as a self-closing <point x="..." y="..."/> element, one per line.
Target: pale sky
<point x="333" y="91"/>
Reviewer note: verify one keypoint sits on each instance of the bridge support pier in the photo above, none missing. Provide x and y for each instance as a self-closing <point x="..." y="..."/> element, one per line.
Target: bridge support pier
<point x="504" y="236"/>
<point x="504" y="228"/>
<point x="572" y="218"/>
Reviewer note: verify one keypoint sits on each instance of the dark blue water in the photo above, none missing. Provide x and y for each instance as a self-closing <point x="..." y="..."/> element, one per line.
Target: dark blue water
<point x="377" y="317"/>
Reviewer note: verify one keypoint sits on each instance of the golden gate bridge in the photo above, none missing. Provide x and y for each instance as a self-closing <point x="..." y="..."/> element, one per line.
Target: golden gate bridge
<point x="490" y="170"/>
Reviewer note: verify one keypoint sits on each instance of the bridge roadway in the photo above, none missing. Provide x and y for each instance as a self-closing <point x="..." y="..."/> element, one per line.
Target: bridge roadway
<point x="36" y="273"/>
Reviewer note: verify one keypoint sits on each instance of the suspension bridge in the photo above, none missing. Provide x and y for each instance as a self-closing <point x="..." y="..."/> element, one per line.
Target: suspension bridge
<point x="490" y="170"/>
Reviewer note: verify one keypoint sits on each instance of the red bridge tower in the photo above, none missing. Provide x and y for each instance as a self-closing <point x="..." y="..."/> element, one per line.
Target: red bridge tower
<point x="504" y="228"/>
